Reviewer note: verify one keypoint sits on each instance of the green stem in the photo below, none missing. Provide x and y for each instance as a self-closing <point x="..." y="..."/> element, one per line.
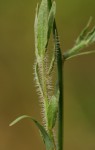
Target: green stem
<point x="60" y="63"/>
<point x="76" y="49"/>
<point x="60" y="113"/>
<point x="80" y="54"/>
<point x="60" y="84"/>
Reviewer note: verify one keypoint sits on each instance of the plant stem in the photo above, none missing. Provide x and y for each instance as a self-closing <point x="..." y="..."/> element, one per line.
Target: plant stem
<point x="80" y="54"/>
<point x="60" y="105"/>
<point x="60" y="62"/>
<point x="75" y="50"/>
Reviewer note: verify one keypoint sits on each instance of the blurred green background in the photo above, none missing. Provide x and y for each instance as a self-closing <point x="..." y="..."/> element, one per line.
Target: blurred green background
<point x="17" y="87"/>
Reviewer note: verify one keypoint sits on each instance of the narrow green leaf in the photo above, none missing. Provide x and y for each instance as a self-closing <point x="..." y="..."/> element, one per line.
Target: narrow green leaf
<point x="91" y="36"/>
<point x="47" y="140"/>
<point x="81" y="54"/>
<point x="84" y="32"/>
<point x="52" y="63"/>
<point x="51" y="18"/>
<point x="52" y="111"/>
<point x="42" y="29"/>
<point x="18" y="119"/>
<point x="87" y="40"/>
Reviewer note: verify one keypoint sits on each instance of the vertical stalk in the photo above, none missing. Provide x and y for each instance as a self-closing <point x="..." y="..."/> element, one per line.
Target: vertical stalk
<point x="60" y="63"/>
<point x="60" y="105"/>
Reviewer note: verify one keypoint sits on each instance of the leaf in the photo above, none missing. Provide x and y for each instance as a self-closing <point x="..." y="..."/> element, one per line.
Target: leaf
<point x="91" y="36"/>
<point x="42" y="28"/>
<point x="52" y="63"/>
<point x="85" y="39"/>
<point x="18" y="119"/>
<point x="47" y="140"/>
<point x="84" y="32"/>
<point x="81" y="54"/>
<point x="51" y="18"/>
<point x="52" y="111"/>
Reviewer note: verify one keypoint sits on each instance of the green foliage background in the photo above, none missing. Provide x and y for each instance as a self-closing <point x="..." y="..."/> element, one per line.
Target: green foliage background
<point x="17" y="86"/>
